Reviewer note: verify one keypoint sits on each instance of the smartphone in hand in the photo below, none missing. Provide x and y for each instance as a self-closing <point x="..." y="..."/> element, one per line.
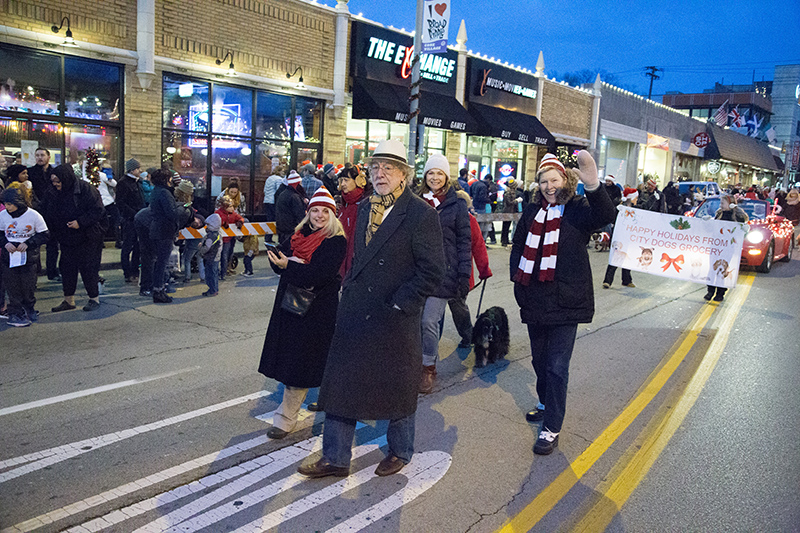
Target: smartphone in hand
<point x="274" y="249"/>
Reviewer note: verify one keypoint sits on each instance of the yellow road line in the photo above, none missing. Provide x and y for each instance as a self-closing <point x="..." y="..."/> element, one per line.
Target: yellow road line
<point x="621" y="488"/>
<point x="552" y="494"/>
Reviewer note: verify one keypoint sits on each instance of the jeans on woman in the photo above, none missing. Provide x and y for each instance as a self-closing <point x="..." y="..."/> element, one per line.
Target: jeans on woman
<point x="431" y="318"/>
<point x="551" y="351"/>
<point x="338" y="433"/>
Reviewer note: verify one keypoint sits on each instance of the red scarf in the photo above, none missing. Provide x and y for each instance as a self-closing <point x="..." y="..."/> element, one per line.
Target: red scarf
<point x="434" y="199"/>
<point x="545" y="227"/>
<point x="304" y="246"/>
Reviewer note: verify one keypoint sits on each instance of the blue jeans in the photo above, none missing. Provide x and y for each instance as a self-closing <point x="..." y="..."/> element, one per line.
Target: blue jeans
<point x="212" y="275"/>
<point x="431" y="318"/>
<point x="248" y="263"/>
<point x="190" y="250"/>
<point x="551" y="351"/>
<point x="225" y="258"/>
<point x="338" y="433"/>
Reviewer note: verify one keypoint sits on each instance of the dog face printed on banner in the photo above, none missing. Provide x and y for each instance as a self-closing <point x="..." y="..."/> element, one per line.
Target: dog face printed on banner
<point x="721" y="270"/>
<point x="619" y="256"/>
<point x="646" y="259"/>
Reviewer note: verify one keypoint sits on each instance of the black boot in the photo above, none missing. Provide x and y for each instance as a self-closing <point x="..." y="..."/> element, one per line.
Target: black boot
<point x="160" y="296"/>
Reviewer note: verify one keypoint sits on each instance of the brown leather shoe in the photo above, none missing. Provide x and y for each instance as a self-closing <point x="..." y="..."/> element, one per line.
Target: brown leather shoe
<point x="428" y="379"/>
<point x="323" y="468"/>
<point x="390" y="465"/>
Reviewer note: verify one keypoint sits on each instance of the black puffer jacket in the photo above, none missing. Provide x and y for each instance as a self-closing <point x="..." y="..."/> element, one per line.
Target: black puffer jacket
<point x="454" y="219"/>
<point x="569" y="299"/>
<point x="289" y="208"/>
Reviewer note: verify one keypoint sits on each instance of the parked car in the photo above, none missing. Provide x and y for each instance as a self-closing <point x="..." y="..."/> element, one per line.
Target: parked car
<point x="769" y="238"/>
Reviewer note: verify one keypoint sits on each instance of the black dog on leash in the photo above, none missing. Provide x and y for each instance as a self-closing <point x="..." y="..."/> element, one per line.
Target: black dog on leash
<point x="490" y="336"/>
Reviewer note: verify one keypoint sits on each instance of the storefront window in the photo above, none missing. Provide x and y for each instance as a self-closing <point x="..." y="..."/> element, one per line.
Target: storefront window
<point x="233" y="110"/>
<point x="308" y="120"/>
<point x="273" y="116"/>
<point x="270" y="157"/>
<point x="185" y="105"/>
<point x="378" y="130"/>
<point x="104" y="140"/>
<point x="230" y="159"/>
<point x="29" y="81"/>
<point x="186" y="153"/>
<point x="92" y="89"/>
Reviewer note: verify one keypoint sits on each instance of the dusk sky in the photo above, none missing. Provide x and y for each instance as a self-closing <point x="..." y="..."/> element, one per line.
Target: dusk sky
<point x="696" y="43"/>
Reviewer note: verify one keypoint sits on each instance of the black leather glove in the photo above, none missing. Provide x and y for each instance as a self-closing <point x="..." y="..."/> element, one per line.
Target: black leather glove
<point x="463" y="287"/>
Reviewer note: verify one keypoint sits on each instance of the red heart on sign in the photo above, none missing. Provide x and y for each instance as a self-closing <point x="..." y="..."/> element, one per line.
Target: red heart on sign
<point x="440" y="8"/>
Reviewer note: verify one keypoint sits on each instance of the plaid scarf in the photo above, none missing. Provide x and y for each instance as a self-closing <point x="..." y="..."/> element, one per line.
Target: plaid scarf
<point x="378" y="205"/>
<point x="547" y="224"/>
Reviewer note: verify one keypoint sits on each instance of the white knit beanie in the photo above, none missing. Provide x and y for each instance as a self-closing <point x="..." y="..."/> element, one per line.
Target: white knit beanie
<point x="437" y="161"/>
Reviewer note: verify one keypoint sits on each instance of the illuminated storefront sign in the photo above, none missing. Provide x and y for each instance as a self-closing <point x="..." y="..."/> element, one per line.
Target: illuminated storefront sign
<point x="432" y="67"/>
<point x="507" y="86"/>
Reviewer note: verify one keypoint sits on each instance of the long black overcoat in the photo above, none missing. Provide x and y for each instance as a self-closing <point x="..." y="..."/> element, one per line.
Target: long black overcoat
<point x="569" y="299"/>
<point x="375" y="362"/>
<point x="296" y="348"/>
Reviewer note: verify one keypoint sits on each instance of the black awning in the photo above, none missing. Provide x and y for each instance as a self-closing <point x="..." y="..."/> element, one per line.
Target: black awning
<point x="505" y="124"/>
<point x="738" y="148"/>
<point x="383" y="101"/>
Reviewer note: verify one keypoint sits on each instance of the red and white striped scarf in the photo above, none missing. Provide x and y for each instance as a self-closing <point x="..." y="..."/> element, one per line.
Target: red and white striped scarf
<point x="543" y="231"/>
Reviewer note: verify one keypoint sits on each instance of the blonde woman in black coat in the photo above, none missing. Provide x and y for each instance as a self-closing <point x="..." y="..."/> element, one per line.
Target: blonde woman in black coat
<point x="296" y="347"/>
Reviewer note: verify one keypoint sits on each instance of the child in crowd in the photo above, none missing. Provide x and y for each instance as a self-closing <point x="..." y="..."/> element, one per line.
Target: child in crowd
<point x="228" y="216"/>
<point x="210" y="251"/>
<point x="250" y="245"/>
<point x="22" y="231"/>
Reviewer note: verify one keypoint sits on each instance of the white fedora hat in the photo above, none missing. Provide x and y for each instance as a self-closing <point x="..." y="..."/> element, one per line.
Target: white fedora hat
<point x="392" y="150"/>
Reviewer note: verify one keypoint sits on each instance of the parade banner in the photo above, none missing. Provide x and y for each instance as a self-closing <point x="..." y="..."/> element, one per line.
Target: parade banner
<point x="435" y="19"/>
<point x="673" y="246"/>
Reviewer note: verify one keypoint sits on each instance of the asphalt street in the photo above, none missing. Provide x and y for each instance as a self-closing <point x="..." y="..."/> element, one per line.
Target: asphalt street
<point x="680" y="417"/>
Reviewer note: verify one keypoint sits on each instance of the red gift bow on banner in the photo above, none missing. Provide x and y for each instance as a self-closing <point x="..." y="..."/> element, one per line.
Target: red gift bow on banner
<point x="670" y="262"/>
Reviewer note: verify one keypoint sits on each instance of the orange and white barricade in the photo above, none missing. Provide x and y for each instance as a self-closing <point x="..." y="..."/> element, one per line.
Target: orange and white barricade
<point x="250" y="228"/>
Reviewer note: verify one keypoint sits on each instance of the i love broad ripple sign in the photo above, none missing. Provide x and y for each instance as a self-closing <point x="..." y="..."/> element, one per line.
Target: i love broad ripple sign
<point x="673" y="246"/>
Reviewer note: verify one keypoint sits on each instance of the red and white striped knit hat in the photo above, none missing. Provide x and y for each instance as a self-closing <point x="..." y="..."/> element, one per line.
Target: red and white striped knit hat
<point x="293" y="178"/>
<point x="551" y="161"/>
<point x="324" y="199"/>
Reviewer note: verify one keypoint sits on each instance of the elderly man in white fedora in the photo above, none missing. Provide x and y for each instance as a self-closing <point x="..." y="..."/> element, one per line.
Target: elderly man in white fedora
<point x="375" y="362"/>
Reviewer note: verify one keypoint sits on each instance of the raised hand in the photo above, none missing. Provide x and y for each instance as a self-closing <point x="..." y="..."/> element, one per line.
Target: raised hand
<point x="587" y="170"/>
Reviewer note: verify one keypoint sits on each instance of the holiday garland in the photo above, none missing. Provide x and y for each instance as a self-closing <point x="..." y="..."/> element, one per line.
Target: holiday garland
<point x="93" y="167"/>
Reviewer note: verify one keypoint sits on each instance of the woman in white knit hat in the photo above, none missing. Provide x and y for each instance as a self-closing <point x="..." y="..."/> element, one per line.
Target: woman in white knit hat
<point x="436" y="189"/>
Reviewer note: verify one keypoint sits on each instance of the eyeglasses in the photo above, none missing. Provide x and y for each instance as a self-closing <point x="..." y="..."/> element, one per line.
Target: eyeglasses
<point x="386" y="167"/>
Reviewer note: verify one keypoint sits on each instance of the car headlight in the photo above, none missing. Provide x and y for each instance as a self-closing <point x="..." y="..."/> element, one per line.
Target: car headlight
<point x="754" y="237"/>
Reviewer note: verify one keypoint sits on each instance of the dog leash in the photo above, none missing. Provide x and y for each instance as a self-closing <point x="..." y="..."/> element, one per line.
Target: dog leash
<point x="483" y="288"/>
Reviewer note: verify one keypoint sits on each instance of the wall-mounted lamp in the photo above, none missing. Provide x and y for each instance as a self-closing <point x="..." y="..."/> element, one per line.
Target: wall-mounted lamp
<point x="300" y="85"/>
<point x="231" y="72"/>
<point x="68" y="40"/>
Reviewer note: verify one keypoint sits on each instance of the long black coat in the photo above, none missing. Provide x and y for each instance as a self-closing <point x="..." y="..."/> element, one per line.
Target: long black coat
<point x="375" y="362"/>
<point x="296" y="348"/>
<point x="569" y="299"/>
<point x="80" y="201"/>
<point x="457" y="239"/>
<point x="289" y="209"/>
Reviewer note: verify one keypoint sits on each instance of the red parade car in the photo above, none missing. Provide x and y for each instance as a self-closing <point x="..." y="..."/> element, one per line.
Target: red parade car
<point x="770" y="235"/>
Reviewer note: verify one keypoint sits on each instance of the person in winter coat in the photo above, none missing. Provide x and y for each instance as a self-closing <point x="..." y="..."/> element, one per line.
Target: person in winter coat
<point x="354" y="188"/>
<point x="728" y="210"/>
<point x="76" y="218"/>
<point x="229" y="217"/>
<point x="615" y="195"/>
<point x="553" y="279"/>
<point x="210" y="252"/>
<point x="167" y="218"/>
<point x="437" y="190"/>
<point x="458" y="305"/>
<point x="510" y="204"/>
<point x="672" y="199"/>
<point x="130" y="200"/>
<point x="290" y="207"/>
<point x="312" y="261"/>
<point x="375" y="361"/>
<point x="17" y="176"/>
<point x="22" y="229"/>
<point x="651" y="199"/>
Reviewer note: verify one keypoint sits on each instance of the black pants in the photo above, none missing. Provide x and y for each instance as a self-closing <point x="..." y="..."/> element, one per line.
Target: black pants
<point x="20" y="283"/>
<point x="551" y="351"/>
<point x="162" y="249"/>
<point x="504" y="234"/>
<point x="611" y="270"/>
<point x="147" y="257"/>
<point x="51" y="262"/>
<point x="84" y="259"/>
<point x="130" y="249"/>
<point x="113" y="216"/>
<point x="461" y="318"/>
<point x="269" y="213"/>
<point x="720" y="291"/>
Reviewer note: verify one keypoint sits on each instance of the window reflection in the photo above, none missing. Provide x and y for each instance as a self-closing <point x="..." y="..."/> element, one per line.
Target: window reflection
<point x="185" y="105"/>
<point x="29" y="82"/>
<point x="308" y="120"/>
<point x="92" y="89"/>
<point x="273" y="116"/>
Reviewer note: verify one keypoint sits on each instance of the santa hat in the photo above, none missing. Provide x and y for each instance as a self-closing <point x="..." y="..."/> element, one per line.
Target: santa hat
<point x="551" y="161"/>
<point x="610" y="178"/>
<point x="294" y="178"/>
<point x="630" y="193"/>
<point x="651" y="183"/>
<point x="323" y="198"/>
